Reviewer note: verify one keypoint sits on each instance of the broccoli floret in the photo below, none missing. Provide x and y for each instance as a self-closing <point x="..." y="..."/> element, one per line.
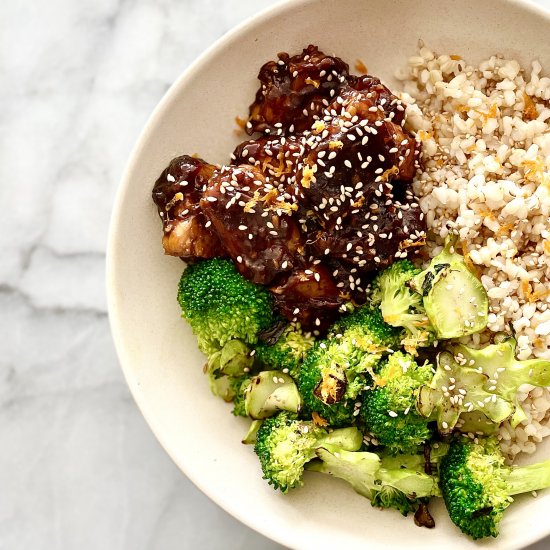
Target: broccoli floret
<point x="454" y="299"/>
<point x="398" y="487"/>
<point x="390" y="497"/>
<point x="401" y="306"/>
<point x="220" y="304"/>
<point x="323" y="387"/>
<point x="456" y="389"/>
<point x="284" y="445"/>
<point x="337" y="369"/>
<point x="239" y="387"/>
<point x="226" y="368"/>
<point x="504" y="374"/>
<point x="483" y="381"/>
<point x="478" y="487"/>
<point x="389" y="410"/>
<point x="368" y="328"/>
<point x="288" y="352"/>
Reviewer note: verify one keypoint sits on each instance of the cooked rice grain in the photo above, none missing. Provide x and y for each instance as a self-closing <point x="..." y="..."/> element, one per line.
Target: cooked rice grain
<point x="485" y="174"/>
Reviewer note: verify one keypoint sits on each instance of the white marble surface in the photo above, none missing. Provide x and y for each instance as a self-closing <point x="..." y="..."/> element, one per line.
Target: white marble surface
<point x="78" y="467"/>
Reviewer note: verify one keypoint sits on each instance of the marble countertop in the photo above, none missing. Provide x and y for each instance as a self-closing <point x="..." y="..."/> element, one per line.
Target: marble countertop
<point x="79" y="468"/>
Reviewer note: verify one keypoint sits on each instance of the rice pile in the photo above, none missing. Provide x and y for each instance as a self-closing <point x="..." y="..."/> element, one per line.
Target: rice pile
<point x="485" y="133"/>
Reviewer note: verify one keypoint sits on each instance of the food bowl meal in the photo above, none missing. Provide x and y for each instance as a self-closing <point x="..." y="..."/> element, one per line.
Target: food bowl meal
<point x="366" y="238"/>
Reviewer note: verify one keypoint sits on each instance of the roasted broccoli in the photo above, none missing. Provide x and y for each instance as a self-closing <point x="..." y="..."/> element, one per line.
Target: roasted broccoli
<point x="221" y="305"/>
<point x="337" y="369"/>
<point x="389" y="409"/>
<point x="239" y="387"/>
<point x="288" y="352"/>
<point x="503" y="373"/>
<point x="269" y="392"/>
<point x="478" y="487"/>
<point x="454" y="299"/>
<point x="483" y="381"/>
<point x="456" y="389"/>
<point x="284" y="445"/>
<point x="386" y="487"/>
<point x="226" y="367"/>
<point x="401" y="306"/>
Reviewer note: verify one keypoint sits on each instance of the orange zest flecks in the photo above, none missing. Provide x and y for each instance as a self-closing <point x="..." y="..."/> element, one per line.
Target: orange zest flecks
<point x="530" y="109"/>
<point x="359" y="202"/>
<point x="335" y="144"/>
<point x="318" y="126"/>
<point x="531" y="296"/>
<point x="360" y="66"/>
<point x="408" y="243"/>
<point x="307" y="176"/>
<point x="318" y="420"/>
<point x="455" y="57"/>
<point x="176" y="198"/>
<point x="423" y="135"/>
<point x="329" y="387"/>
<point x="241" y="122"/>
<point x="467" y="260"/>
<point x="393" y="171"/>
<point x="486" y="213"/>
<point x="491" y="113"/>
<point x="534" y="169"/>
<point x="539" y="343"/>
<point x="315" y="83"/>
<point x="505" y="228"/>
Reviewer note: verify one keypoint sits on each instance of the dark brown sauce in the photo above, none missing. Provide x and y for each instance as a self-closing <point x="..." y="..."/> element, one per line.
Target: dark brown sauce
<point x="317" y="202"/>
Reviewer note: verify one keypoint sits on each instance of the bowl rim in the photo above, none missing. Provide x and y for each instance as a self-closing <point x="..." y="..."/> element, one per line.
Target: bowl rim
<point x="123" y="188"/>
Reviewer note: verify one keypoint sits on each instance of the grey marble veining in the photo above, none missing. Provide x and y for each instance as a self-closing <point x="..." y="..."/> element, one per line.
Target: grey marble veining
<point x="78" y="467"/>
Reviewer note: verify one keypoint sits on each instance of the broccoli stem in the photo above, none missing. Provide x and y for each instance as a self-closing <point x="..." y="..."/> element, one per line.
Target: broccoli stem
<point x="409" y="482"/>
<point x="528" y="478"/>
<point x="346" y="438"/>
<point x="364" y="472"/>
<point x="269" y="392"/>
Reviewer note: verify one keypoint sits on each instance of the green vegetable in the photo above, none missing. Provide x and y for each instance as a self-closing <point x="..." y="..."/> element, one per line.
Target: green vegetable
<point x="454" y="299"/>
<point x="250" y="436"/>
<point x="504" y="373"/>
<point x="337" y="369"/>
<point x="477" y="385"/>
<point x="226" y="369"/>
<point x="389" y="410"/>
<point x="398" y="487"/>
<point x="221" y="305"/>
<point x="429" y="455"/>
<point x="288" y="352"/>
<point x="401" y="306"/>
<point x="239" y="386"/>
<point x="284" y="445"/>
<point x="457" y="389"/>
<point x="270" y="392"/>
<point x="478" y="487"/>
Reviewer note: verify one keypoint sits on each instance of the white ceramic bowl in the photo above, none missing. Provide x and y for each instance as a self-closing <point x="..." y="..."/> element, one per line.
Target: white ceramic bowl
<point x="157" y="351"/>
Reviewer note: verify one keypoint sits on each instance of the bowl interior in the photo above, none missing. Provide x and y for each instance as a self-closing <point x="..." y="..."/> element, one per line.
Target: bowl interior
<point x="157" y="349"/>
